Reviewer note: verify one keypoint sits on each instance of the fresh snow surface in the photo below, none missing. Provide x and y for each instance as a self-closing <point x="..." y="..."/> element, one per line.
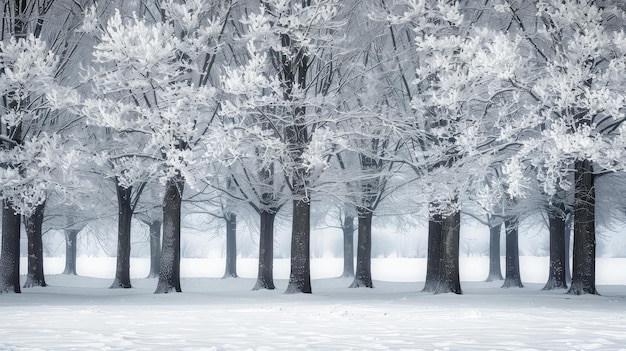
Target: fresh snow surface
<point x="81" y="313"/>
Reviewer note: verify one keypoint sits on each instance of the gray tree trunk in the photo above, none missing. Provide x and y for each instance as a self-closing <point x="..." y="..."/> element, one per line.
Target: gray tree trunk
<point x="584" y="266"/>
<point x="124" y="220"/>
<point x="300" y="275"/>
<point x="71" y="236"/>
<point x="556" y="277"/>
<point x="33" y="225"/>
<point x="10" y="250"/>
<point x="363" y="275"/>
<point x="155" y="248"/>
<point x="347" y="228"/>
<point x="265" y="277"/>
<point x="169" y="268"/>
<point x="449" y="257"/>
<point x="230" y="271"/>
<point x="495" y="269"/>
<point x="433" y="264"/>
<point x="513" y="277"/>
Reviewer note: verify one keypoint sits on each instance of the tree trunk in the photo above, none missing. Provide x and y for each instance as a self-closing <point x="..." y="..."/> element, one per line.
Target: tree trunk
<point x="155" y="248"/>
<point x="124" y="218"/>
<point x="169" y="268"/>
<point x="33" y="224"/>
<point x="300" y="275"/>
<point x="363" y="276"/>
<point x="348" y="246"/>
<point x="513" y="278"/>
<point x="568" y="237"/>
<point x="71" y="235"/>
<point x="435" y="227"/>
<point x="556" y="277"/>
<point x="265" y="277"/>
<point x="495" y="271"/>
<point x="231" y="246"/>
<point x="449" y="257"/>
<point x="10" y="251"/>
<point x="584" y="253"/>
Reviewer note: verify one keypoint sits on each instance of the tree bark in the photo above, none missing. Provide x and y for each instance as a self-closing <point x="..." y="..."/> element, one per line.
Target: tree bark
<point x="155" y="248"/>
<point x="347" y="228"/>
<point x="300" y="275"/>
<point x="513" y="277"/>
<point x="230" y="270"/>
<point x="584" y="253"/>
<point x="169" y="268"/>
<point x="568" y="240"/>
<point x="363" y="275"/>
<point x="10" y="250"/>
<point x="556" y="277"/>
<point x="495" y="270"/>
<point x="71" y="235"/>
<point x="435" y="227"/>
<point x="33" y="225"/>
<point x="449" y="257"/>
<point x="124" y="220"/>
<point x="265" y="275"/>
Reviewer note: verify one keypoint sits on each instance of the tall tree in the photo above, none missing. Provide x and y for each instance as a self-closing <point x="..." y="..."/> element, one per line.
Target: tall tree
<point x="167" y="101"/>
<point x="27" y="72"/>
<point x="462" y="79"/>
<point x="577" y="119"/>
<point x="285" y="80"/>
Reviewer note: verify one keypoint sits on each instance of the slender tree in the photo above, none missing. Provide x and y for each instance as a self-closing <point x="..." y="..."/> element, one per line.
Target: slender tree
<point x="512" y="277"/>
<point x="495" y="231"/>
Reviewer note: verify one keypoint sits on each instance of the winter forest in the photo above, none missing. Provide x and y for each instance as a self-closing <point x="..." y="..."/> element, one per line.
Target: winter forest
<point x="503" y="110"/>
<point x="342" y="113"/>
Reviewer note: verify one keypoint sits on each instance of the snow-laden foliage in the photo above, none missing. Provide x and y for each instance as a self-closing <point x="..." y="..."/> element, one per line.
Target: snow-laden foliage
<point x="464" y="97"/>
<point x="274" y="100"/>
<point x="579" y="95"/>
<point x="33" y="163"/>
<point x="149" y="87"/>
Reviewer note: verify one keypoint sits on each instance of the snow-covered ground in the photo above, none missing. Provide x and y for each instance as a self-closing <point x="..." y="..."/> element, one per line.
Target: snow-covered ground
<point x="80" y="313"/>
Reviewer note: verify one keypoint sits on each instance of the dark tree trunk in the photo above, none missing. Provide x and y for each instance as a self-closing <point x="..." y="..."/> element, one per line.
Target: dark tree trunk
<point x="33" y="225"/>
<point x="125" y="216"/>
<point x="265" y="277"/>
<point x="435" y="227"/>
<point x="584" y="266"/>
<point x="449" y="257"/>
<point x="231" y="246"/>
<point x="363" y="275"/>
<point x="495" y="271"/>
<point x="300" y="275"/>
<point x="556" y="277"/>
<point x="10" y="251"/>
<point x="513" y="278"/>
<point x="348" y="246"/>
<point x="169" y="268"/>
<point x="568" y="237"/>
<point x="155" y="248"/>
<point x="71" y="235"/>
<point x="11" y="221"/>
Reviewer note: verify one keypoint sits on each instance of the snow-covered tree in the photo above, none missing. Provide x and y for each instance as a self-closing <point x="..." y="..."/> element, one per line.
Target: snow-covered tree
<point x="577" y="122"/>
<point x="463" y="97"/>
<point x="284" y="82"/>
<point x="152" y="88"/>
<point x="36" y="157"/>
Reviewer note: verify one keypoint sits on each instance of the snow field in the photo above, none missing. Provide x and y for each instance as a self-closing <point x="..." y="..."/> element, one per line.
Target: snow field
<point x="80" y="313"/>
